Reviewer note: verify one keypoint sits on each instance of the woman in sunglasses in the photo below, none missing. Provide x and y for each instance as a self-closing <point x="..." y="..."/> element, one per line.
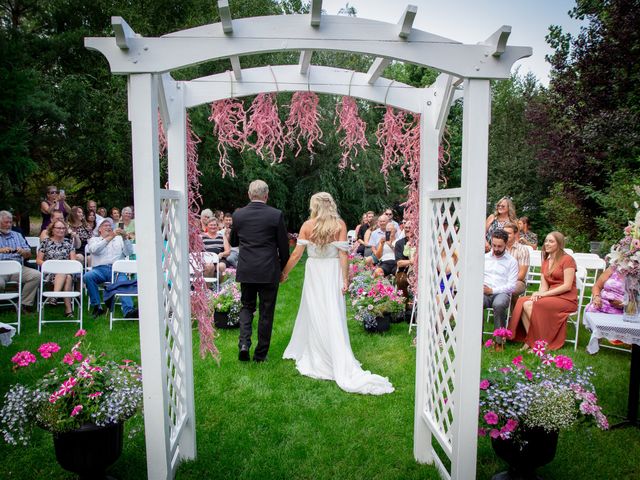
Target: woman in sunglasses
<point x="504" y="213"/>
<point x="54" y="200"/>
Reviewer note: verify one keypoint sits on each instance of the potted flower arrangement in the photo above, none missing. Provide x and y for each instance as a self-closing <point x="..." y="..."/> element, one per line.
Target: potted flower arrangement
<point x="524" y="405"/>
<point x="225" y="304"/>
<point x="83" y="400"/>
<point x="376" y="304"/>
<point x="625" y="257"/>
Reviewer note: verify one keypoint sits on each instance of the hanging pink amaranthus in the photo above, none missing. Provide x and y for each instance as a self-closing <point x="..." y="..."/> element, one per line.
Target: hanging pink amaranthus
<point x="410" y="151"/>
<point x="199" y="299"/>
<point x="162" y="137"/>
<point x="302" y="123"/>
<point x="265" y="123"/>
<point x="354" y="131"/>
<point x="391" y="134"/>
<point x="229" y="118"/>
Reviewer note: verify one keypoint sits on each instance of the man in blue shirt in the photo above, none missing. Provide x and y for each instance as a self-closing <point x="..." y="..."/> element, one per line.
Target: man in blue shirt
<point x="13" y="246"/>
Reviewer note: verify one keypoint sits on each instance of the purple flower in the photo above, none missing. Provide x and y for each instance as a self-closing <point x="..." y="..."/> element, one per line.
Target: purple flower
<point x="491" y="418"/>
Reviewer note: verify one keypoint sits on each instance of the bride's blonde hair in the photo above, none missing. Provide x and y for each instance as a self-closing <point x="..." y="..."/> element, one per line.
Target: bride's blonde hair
<point x="324" y="211"/>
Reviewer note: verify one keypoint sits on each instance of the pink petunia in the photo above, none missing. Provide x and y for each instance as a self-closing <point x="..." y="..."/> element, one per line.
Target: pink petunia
<point x="80" y="333"/>
<point x="47" y="349"/>
<point x="484" y="384"/>
<point x="24" y="358"/>
<point x="53" y="398"/>
<point x="564" y="362"/>
<point x="528" y="374"/>
<point x="77" y="355"/>
<point x="494" y="433"/>
<point x="517" y="360"/>
<point x="67" y="385"/>
<point x="511" y="425"/>
<point x="95" y="395"/>
<point x="76" y="410"/>
<point x="482" y="432"/>
<point x="488" y="343"/>
<point x="68" y="359"/>
<point x="491" y="418"/>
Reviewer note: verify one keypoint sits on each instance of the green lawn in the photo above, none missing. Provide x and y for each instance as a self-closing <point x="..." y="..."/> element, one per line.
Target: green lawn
<point x="264" y="421"/>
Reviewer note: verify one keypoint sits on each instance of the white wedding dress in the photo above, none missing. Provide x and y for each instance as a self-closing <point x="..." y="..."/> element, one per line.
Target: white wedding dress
<point x="320" y="341"/>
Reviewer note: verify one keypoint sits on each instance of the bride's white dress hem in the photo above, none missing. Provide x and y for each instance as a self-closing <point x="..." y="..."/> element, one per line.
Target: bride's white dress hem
<point x="320" y="341"/>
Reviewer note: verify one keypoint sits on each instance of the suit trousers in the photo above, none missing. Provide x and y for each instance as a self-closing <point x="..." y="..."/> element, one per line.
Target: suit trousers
<point x="267" y="293"/>
<point x="500" y="304"/>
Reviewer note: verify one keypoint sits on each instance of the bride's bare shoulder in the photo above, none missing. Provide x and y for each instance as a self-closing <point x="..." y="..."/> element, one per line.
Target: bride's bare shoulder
<point x="307" y="228"/>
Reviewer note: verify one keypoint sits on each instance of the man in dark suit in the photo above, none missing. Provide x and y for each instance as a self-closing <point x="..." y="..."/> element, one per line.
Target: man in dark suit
<point x="260" y="232"/>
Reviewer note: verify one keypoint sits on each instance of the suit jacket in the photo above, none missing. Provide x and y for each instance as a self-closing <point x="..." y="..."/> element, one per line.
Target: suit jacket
<point x="260" y="232"/>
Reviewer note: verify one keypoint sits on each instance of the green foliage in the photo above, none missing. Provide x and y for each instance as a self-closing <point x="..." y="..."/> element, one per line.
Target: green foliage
<point x="566" y="216"/>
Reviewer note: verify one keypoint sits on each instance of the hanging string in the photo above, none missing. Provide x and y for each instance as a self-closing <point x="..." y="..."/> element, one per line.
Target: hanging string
<point x="350" y="80"/>
<point x="387" y="92"/>
<point x="274" y="79"/>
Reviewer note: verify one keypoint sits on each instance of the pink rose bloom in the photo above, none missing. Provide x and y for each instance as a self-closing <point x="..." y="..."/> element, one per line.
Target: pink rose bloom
<point x="80" y="333"/>
<point x="494" y="433"/>
<point x="484" y="384"/>
<point x="491" y="418"/>
<point x="24" y="358"/>
<point x="76" y="410"/>
<point x="517" y="360"/>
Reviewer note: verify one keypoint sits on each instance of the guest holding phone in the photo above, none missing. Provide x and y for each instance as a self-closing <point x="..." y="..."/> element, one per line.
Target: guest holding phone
<point x="54" y="200"/>
<point x="385" y="251"/>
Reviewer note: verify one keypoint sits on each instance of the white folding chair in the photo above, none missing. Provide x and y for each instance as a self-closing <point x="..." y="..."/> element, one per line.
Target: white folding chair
<point x="534" y="273"/>
<point x="594" y="266"/>
<point x="67" y="267"/>
<point x="412" y="322"/>
<point x="34" y="244"/>
<point x="11" y="267"/>
<point x="581" y="274"/>
<point x="128" y="267"/>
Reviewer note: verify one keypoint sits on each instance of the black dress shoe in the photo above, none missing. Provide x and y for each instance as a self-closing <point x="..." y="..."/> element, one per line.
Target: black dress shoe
<point x="97" y="311"/>
<point x="243" y="354"/>
<point x="131" y="313"/>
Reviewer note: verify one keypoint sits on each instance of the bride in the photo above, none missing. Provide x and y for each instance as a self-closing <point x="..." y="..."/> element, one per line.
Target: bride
<point x="320" y="340"/>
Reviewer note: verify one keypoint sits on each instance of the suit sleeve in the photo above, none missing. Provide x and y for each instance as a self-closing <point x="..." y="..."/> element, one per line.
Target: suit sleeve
<point x="234" y="241"/>
<point x="283" y="242"/>
<point x="399" y="250"/>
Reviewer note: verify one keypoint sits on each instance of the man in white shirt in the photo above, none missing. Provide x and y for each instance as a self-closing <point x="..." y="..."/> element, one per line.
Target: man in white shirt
<point x="500" y="276"/>
<point x="109" y="246"/>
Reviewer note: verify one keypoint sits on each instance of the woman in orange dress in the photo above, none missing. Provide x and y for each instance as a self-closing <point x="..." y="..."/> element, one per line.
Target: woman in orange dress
<point x="543" y="315"/>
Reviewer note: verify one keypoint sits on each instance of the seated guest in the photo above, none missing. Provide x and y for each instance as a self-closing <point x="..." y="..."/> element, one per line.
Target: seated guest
<point x="128" y="223"/>
<point x="205" y="216"/>
<point x="505" y="212"/>
<point x="527" y="237"/>
<point x="385" y="253"/>
<point x="79" y="226"/>
<point x="362" y="230"/>
<point x="215" y="242"/>
<point x="109" y="246"/>
<point x="543" y="315"/>
<point x="55" y="200"/>
<point x="608" y="292"/>
<point x="389" y="213"/>
<point x="404" y="260"/>
<point x="70" y="234"/>
<point x="232" y="259"/>
<point x="57" y="247"/>
<point x="13" y="246"/>
<point x="372" y="239"/>
<point x="500" y="276"/>
<point x="92" y="206"/>
<point x="91" y="220"/>
<point x="114" y="214"/>
<point x="521" y="254"/>
<point x="103" y="213"/>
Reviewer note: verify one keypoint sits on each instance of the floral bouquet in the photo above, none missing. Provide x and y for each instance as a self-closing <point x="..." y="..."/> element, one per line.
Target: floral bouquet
<point x="551" y="395"/>
<point x="377" y="299"/>
<point x="625" y="257"/>
<point x="80" y="388"/>
<point x="226" y="301"/>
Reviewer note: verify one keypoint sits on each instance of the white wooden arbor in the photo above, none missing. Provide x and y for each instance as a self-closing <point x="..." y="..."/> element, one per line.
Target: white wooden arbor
<point x="448" y="348"/>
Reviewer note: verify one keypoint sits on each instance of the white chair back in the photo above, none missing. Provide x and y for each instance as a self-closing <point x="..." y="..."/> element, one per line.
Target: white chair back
<point x="11" y="267"/>
<point x="581" y="276"/>
<point x="69" y="267"/>
<point x="66" y="267"/>
<point x="351" y="237"/>
<point x="128" y="267"/>
<point x="33" y="242"/>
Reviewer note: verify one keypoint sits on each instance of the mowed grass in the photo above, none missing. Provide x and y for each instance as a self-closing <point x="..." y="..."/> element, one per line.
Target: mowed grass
<point x="265" y="421"/>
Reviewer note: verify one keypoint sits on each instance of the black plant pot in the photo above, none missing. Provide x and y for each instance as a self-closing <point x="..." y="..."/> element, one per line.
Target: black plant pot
<point x="89" y="450"/>
<point x="524" y="458"/>
<point x="378" y="325"/>
<point x="221" y="320"/>
<point x="397" y="317"/>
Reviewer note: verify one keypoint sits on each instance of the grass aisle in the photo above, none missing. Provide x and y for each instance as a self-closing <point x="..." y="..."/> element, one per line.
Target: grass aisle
<point x="265" y="421"/>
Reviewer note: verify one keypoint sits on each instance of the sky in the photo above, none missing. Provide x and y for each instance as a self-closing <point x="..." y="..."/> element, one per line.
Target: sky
<point x="473" y="21"/>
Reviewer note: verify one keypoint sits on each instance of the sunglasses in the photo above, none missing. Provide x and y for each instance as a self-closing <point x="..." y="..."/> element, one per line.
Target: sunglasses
<point x="52" y="191"/>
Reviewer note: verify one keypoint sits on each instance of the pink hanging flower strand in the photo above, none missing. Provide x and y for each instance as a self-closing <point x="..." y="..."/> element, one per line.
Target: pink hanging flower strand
<point x="229" y="119"/>
<point x="354" y="128"/>
<point x="265" y="123"/>
<point x="302" y="124"/>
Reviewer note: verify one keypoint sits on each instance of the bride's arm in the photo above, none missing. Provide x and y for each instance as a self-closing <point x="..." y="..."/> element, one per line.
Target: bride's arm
<point x="296" y="255"/>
